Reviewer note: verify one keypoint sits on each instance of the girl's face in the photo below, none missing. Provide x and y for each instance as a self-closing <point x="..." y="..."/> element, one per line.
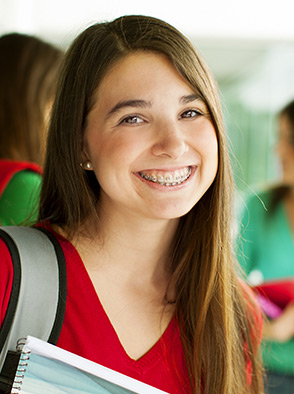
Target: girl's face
<point x="150" y="140"/>
<point x="285" y="150"/>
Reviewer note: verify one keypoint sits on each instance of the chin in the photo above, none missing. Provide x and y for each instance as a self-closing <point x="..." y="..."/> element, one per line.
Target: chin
<point x="173" y="212"/>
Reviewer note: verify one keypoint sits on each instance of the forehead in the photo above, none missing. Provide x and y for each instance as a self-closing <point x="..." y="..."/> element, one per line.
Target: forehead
<point x="140" y="70"/>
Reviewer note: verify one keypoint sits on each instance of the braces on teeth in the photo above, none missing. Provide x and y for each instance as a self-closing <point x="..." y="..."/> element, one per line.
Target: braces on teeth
<point x="168" y="180"/>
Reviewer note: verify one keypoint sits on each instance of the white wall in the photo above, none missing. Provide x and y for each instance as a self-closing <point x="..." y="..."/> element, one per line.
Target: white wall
<point x="237" y="38"/>
<point x="265" y="19"/>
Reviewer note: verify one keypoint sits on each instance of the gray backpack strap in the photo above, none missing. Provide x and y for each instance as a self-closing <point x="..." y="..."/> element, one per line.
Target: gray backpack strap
<point x="42" y="293"/>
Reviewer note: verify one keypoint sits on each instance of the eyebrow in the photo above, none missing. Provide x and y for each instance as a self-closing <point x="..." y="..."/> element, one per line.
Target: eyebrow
<point x="189" y="98"/>
<point x="129" y="103"/>
<point x="147" y="104"/>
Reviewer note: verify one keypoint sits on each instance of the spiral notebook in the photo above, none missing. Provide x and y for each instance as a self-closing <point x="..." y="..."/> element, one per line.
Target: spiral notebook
<point x="45" y="368"/>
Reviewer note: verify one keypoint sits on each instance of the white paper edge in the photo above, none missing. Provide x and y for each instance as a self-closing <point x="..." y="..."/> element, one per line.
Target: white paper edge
<point x="42" y="348"/>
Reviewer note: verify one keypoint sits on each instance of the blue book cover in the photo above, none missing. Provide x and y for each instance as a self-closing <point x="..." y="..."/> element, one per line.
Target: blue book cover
<point x="45" y="368"/>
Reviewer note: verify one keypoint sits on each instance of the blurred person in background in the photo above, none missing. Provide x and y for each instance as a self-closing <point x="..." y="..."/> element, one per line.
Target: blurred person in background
<point x="266" y="252"/>
<point x="28" y="71"/>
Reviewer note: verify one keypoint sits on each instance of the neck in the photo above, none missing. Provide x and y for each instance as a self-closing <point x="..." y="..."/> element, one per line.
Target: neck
<point x="136" y="247"/>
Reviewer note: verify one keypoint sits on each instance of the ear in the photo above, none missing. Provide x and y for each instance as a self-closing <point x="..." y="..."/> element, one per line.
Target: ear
<point x="85" y="162"/>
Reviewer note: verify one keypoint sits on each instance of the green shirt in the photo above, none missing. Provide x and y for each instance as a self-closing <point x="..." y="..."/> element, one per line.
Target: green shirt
<point x="266" y="246"/>
<point x="20" y="199"/>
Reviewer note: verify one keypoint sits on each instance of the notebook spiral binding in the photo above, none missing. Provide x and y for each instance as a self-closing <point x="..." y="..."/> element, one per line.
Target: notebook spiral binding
<point x="21" y="369"/>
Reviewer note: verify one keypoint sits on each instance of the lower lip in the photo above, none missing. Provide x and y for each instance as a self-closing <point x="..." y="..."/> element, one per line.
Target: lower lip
<point x="158" y="186"/>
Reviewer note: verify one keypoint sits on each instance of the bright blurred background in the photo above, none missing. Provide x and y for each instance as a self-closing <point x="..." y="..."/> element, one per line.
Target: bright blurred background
<point x="248" y="45"/>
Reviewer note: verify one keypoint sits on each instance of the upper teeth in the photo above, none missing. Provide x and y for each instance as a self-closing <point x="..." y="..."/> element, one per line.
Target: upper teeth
<point x="168" y="178"/>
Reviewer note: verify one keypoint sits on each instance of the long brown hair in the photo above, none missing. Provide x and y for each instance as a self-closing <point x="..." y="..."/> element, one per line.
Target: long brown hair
<point x="210" y="304"/>
<point x="28" y="69"/>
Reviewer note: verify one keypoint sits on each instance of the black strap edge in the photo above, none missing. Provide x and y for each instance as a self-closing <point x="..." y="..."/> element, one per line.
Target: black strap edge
<point x="62" y="293"/>
<point x="13" y="300"/>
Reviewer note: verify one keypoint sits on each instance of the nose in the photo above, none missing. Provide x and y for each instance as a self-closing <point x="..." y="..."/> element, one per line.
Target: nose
<point x="169" y="141"/>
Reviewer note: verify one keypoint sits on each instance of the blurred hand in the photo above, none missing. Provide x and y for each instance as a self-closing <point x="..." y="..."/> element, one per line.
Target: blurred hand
<point x="282" y="328"/>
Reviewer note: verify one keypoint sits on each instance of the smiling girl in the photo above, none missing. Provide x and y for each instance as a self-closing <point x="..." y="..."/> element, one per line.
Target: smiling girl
<point x="137" y="189"/>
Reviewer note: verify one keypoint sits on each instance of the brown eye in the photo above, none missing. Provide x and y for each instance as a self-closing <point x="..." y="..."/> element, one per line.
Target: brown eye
<point x="133" y="119"/>
<point x="191" y="113"/>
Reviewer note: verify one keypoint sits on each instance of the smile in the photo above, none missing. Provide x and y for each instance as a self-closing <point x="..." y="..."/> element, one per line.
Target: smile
<point x="169" y="178"/>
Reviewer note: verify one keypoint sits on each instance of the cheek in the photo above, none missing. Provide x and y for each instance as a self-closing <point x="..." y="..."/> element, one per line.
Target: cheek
<point x="112" y="155"/>
<point x="210" y="155"/>
<point x="118" y="149"/>
<point x="209" y="147"/>
<point x="213" y="162"/>
<point x="126" y="147"/>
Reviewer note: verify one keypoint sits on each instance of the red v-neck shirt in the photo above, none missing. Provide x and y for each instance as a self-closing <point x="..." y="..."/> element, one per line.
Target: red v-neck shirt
<point x="88" y="332"/>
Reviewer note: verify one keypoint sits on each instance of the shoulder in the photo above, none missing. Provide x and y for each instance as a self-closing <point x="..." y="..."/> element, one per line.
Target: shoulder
<point x="20" y="199"/>
<point x="10" y="168"/>
<point x="13" y="166"/>
<point x="22" y="184"/>
<point x="60" y="236"/>
<point x="6" y="278"/>
<point x="259" y="199"/>
<point x="5" y="258"/>
<point x="255" y="207"/>
<point x="25" y="178"/>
